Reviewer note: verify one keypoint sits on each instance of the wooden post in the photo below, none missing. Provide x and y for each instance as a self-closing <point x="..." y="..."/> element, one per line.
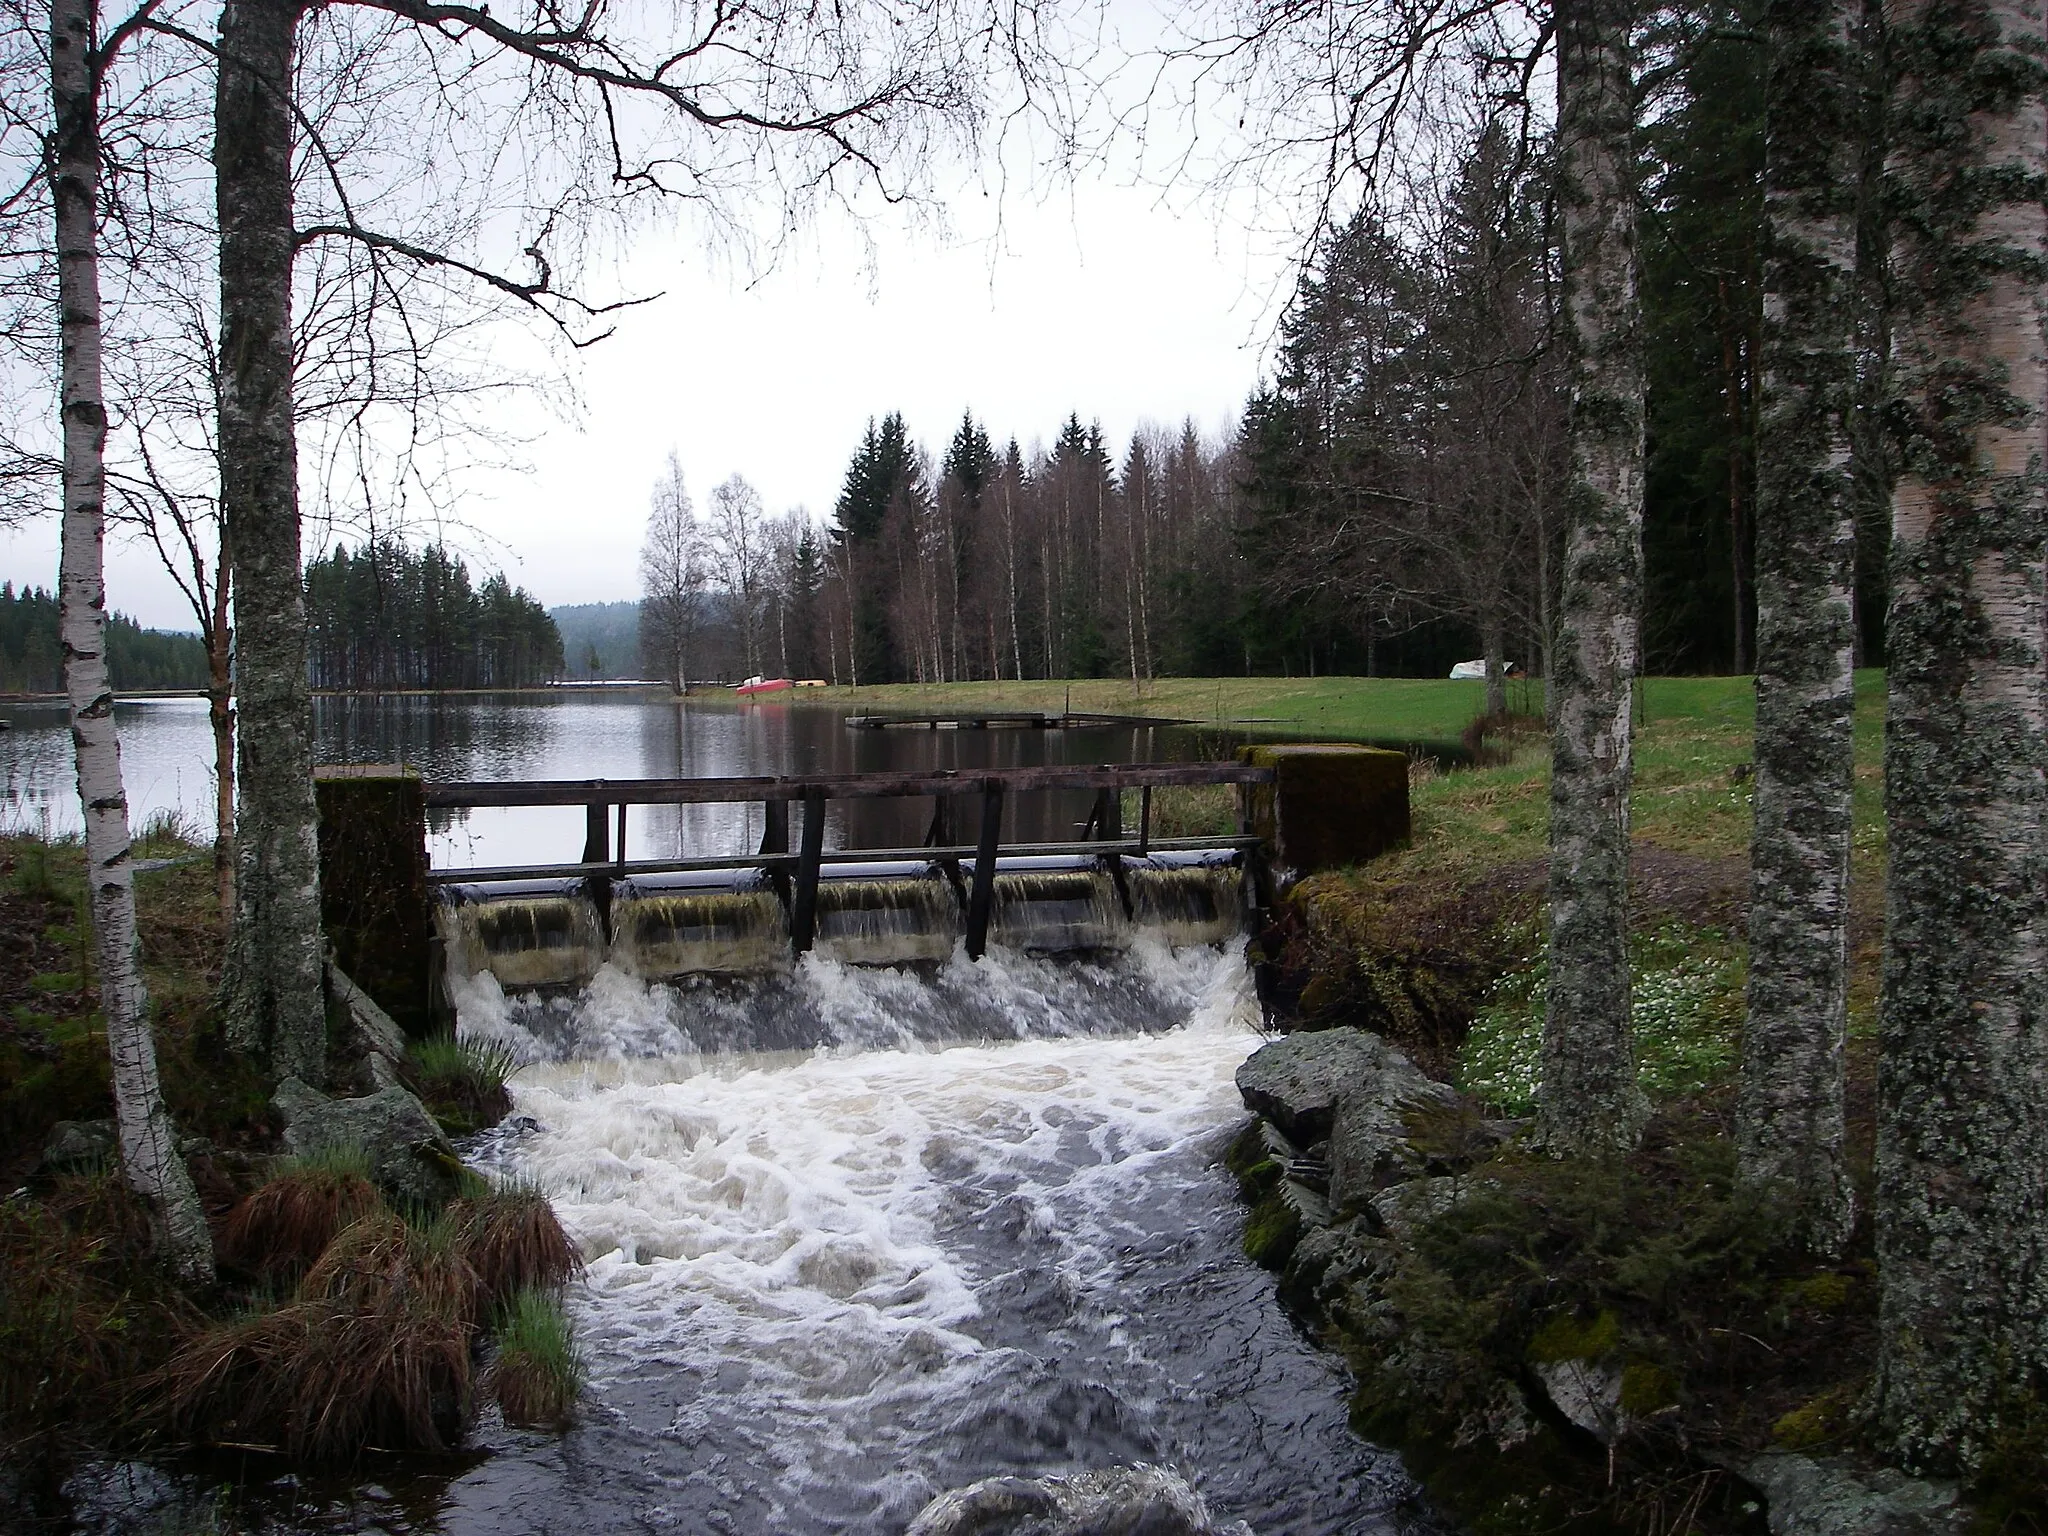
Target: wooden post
<point x="775" y="827"/>
<point x="596" y="847"/>
<point x="940" y="833"/>
<point x="775" y="839"/>
<point x="982" y="898"/>
<point x="620" y="845"/>
<point x="803" y="915"/>
<point x="1109" y="815"/>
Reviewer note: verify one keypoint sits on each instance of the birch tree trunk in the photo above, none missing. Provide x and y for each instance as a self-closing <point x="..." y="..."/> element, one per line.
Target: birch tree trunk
<point x="272" y="990"/>
<point x="220" y="713"/>
<point x="1590" y="1102"/>
<point x="149" y="1152"/>
<point x="1789" y="1119"/>
<point x="1962" y="1204"/>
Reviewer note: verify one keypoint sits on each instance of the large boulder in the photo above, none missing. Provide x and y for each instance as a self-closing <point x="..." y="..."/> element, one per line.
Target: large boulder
<point x="373" y="1038"/>
<point x="1829" y="1496"/>
<point x="1298" y="1080"/>
<point x="1350" y="1088"/>
<point x="81" y="1146"/>
<point x="410" y="1158"/>
<point x="1116" y="1501"/>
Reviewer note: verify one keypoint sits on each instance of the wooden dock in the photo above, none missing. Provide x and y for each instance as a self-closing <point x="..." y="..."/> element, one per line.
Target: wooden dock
<point x="1006" y="720"/>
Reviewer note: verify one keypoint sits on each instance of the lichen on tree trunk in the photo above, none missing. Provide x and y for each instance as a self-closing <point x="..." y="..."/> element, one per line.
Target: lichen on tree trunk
<point x="149" y="1153"/>
<point x="1789" y="1122"/>
<point x="1962" y="1204"/>
<point x="272" y="987"/>
<point x="1590" y="1101"/>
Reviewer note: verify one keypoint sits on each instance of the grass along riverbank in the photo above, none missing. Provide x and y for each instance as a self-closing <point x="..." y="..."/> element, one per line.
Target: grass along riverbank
<point x="1659" y="1277"/>
<point x="352" y="1314"/>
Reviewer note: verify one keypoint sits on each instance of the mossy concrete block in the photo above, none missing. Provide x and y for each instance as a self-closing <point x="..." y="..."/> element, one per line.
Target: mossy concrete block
<point x="1328" y="805"/>
<point x="373" y="885"/>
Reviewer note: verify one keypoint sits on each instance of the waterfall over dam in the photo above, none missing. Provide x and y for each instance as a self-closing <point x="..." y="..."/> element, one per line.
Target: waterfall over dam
<point x="557" y="934"/>
<point x="860" y="1234"/>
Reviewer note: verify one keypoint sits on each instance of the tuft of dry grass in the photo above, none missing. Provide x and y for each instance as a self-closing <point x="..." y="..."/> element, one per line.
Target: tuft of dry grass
<point x="382" y="1263"/>
<point x="323" y="1382"/>
<point x="512" y="1241"/>
<point x="83" y="1309"/>
<point x="374" y="1354"/>
<point x="278" y="1232"/>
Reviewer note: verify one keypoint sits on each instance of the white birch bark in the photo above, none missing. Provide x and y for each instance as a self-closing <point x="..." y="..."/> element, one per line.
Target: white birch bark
<point x="149" y="1153"/>
<point x="1962" y="1202"/>
<point x="1590" y="1103"/>
<point x="1790" y="1118"/>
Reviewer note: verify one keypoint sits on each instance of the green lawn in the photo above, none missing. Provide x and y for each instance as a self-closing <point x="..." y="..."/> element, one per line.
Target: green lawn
<point x="1402" y="708"/>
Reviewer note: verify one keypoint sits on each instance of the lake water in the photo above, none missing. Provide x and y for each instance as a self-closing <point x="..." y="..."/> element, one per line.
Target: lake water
<point x="167" y="757"/>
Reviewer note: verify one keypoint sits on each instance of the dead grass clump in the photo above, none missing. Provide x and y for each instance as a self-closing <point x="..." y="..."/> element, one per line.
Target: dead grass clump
<point x="383" y="1263"/>
<point x="512" y="1240"/>
<point x="278" y="1232"/>
<point x="374" y="1354"/>
<point x="538" y="1373"/>
<point x="323" y="1382"/>
<point x="83" y="1309"/>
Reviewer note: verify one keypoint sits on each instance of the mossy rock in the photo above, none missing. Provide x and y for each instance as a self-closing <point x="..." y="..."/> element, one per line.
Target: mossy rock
<point x="1271" y="1231"/>
<point x="1566" y="1337"/>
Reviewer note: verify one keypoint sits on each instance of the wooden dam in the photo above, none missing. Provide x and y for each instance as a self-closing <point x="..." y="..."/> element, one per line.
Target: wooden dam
<point x="400" y="927"/>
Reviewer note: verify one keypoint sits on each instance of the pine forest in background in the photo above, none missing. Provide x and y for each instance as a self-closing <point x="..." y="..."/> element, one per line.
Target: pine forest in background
<point x="32" y="661"/>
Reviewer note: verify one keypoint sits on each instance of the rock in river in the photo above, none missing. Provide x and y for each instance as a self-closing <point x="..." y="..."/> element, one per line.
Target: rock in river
<point x="409" y="1157"/>
<point x="1298" y="1080"/>
<point x="1115" y="1501"/>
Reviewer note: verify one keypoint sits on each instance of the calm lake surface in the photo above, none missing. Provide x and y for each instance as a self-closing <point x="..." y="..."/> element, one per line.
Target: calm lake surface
<point x="167" y="756"/>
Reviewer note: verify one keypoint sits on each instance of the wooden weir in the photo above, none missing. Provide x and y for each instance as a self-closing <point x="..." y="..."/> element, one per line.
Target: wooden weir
<point x="797" y="873"/>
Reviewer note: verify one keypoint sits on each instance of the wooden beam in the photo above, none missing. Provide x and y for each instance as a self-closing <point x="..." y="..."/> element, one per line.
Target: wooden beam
<point x="787" y="862"/>
<point x="803" y="915"/>
<point x="982" y="897"/>
<point x="843" y="786"/>
<point x="596" y="849"/>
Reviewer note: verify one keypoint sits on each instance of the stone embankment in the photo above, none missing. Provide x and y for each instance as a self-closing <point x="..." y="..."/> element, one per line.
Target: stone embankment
<point x="1372" y="1188"/>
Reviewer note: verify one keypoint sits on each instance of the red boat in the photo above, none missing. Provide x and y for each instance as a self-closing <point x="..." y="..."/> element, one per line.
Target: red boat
<point x="764" y="685"/>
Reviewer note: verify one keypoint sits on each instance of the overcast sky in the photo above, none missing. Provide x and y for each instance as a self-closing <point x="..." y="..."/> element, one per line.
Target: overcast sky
<point x="1096" y="300"/>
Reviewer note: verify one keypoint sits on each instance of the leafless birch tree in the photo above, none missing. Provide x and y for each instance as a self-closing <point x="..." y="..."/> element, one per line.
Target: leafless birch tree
<point x="1962" y="1206"/>
<point x="1790" y="1118"/>
<point x="149" y="1154"/>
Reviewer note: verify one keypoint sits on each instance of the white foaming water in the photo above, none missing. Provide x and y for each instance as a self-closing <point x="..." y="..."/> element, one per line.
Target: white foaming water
<point x="827" y="1284"/>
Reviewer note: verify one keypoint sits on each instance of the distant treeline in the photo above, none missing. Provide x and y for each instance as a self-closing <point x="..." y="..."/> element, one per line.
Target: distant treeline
<point x="388" y="616"/>
<point x="32" y="660"/>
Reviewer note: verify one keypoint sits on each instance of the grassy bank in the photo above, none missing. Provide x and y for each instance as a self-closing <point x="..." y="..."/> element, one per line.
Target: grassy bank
<point x="350" y="1315"/>
<point x="1727" y="1342"/>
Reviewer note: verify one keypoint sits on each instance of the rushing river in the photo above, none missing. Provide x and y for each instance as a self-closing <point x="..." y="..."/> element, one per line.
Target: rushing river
<point x="983" y="1230"/>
